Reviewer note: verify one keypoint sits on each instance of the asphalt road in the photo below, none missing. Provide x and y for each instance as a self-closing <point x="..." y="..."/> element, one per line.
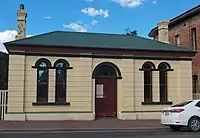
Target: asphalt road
<point x="159" y="133"/>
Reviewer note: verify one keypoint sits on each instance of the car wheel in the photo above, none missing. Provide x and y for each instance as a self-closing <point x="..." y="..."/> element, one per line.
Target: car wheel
<point x="175" y="128"/>
<point x="194" y="124"/>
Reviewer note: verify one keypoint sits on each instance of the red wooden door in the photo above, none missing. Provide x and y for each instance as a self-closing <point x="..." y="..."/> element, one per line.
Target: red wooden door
<point x="106" y="97"/>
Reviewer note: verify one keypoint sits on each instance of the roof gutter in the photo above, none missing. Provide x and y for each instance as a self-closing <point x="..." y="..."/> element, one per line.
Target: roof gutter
<point x="102" y="48"/>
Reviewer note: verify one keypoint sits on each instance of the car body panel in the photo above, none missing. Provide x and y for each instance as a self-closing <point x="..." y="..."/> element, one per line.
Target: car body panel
<point x="182" y="118"/>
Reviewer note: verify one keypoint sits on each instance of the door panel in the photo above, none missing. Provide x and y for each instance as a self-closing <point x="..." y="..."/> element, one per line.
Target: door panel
<point x="106" y="97"/>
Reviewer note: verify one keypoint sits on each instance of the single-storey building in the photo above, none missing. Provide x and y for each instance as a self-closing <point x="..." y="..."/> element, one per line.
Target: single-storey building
<point x="84" y="76"/>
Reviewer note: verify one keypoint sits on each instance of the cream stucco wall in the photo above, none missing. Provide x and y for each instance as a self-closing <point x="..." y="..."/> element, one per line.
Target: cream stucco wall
<point x="179" y="89"/>
<point x="80" y="89"/>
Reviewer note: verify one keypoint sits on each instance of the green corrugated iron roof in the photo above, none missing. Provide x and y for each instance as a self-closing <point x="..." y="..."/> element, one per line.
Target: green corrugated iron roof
<point x="96" y="40"/>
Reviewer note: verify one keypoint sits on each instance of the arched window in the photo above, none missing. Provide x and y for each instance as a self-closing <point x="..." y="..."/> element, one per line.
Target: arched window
<point x="163" y="68"/>
<point x="148" y="68"/>
<point x="61" y="80"/>
<point x="42" y="66"/>
<point x="105" y="70"/>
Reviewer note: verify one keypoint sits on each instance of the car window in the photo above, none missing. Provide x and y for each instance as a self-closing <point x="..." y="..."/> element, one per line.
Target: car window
<point x="198" y="104"/>
<point x="182" y="104"/>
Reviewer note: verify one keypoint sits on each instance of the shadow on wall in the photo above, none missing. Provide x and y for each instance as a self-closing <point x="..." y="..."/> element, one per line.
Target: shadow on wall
<point x="4" y="71"/>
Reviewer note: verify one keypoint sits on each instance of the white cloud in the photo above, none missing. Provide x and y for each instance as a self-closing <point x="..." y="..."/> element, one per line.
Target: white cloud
<point x="76" y="26"/>
<point x="129" y="3"/>
<point x="94" y="22"/>
<point x="93" y="12"/>
<point x="47" y="17"/>
<point x="6" y="36"/>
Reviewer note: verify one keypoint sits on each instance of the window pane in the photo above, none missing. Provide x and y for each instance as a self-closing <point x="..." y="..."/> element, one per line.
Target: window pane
<point x="147" y="77"/>
<point x="163" y="85"/>
<point x="60" y="83"/>
<point x="194" y="39"/>
<point x="105" y="71"/>
<point x="60" y="65"/>
<point x="147" y="93"/>
<point x="195" y="83"/>
<point x="147" y="66"/>
<point x="162" y="66"/>
<point x="60" y="93"/>
<point x="43" y="64"/>
<point x="61" y="77"/>
<point x="163" y="77"/>
<point x="147" y="85"/>
<point x="177" y="39"/>
<point x="42" y="91"/>
<point x="163" y="94"/>
<point x="43" y="76"/>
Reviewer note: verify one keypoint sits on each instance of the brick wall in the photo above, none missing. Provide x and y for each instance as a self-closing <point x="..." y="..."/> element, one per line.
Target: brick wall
<point x="184" y="30"/>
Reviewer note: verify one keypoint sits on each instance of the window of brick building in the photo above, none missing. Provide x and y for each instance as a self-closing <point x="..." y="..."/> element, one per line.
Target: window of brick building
<point x="193" y="38"/>
<point x="177" y="39"/>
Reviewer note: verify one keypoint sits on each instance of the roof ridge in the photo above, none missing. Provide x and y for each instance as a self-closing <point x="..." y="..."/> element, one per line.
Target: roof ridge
<point x="96" y="33"/>
<point x="110" y="34"/>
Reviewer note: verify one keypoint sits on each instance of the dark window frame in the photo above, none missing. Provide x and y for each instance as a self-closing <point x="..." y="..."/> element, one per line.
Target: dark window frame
<point x="163" y="69"/>
<point x="42" y="98"/>
<point x="194" y="83"/>
<point x="106" y="71"/>
<point x="148" y="67"/>
<point x="178" y="37"/>
<point x="194" y="38"/>
<point x="148" y="90"/>
<point x="61" y="87"/>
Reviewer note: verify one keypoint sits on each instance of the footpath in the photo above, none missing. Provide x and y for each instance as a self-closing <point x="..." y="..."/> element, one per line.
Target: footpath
<point x="110" y="124"/>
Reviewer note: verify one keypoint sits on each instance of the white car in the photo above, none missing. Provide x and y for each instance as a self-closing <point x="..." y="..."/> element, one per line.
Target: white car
<point x="185" y="114"/>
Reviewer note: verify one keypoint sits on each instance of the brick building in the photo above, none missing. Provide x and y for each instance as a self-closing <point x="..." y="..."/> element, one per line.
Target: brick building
<point x="183" y="31"/>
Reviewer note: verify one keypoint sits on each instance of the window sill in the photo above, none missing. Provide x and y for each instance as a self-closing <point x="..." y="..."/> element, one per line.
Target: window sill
<point x="157" y="103"/>
<point x="50" y="104"/>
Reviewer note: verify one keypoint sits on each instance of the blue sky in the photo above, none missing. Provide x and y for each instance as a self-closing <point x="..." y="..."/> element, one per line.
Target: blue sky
<point x="107" y="16"/>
